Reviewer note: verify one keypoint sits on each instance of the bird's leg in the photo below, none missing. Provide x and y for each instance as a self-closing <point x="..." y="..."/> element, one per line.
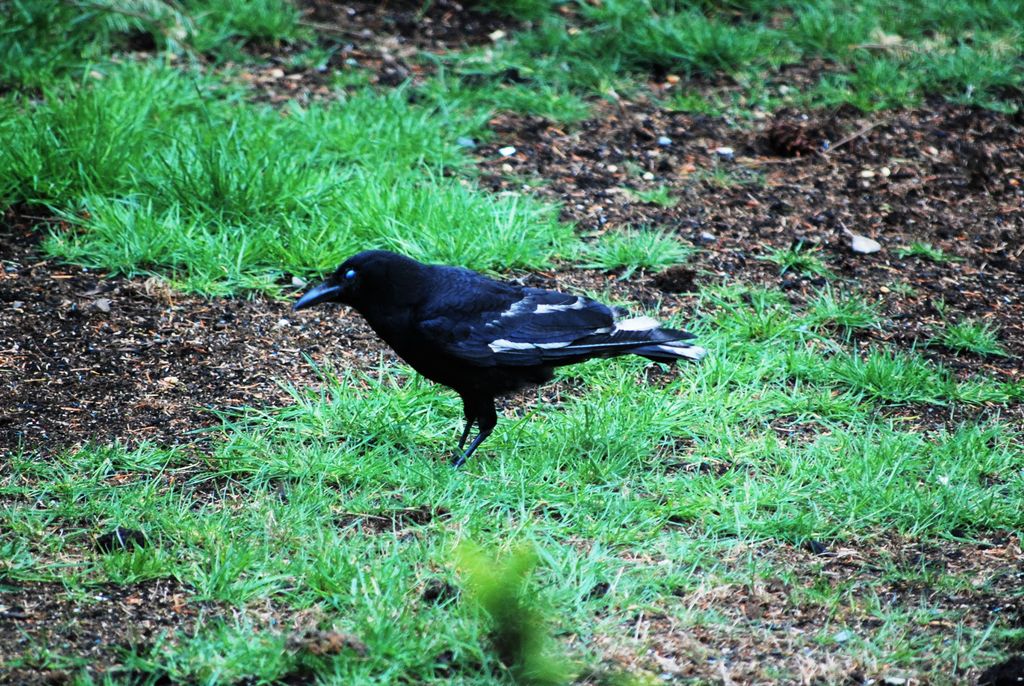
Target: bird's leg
<point x="487" y="419"/>
<point x="465" y="432"/>
<point x="470" y="421"/>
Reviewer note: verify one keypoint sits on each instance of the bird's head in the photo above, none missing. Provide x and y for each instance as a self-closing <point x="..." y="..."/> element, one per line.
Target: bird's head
<point x="373" y="275"/>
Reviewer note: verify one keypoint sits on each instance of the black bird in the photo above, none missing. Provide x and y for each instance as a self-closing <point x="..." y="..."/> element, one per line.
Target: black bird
<point x="482" y="337"/>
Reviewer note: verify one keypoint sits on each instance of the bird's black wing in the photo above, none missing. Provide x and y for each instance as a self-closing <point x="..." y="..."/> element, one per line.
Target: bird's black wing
<point x="490" y="324"/>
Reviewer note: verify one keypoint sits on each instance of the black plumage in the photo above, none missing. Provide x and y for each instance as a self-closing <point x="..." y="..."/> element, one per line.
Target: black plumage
<point x="482" y="337"/>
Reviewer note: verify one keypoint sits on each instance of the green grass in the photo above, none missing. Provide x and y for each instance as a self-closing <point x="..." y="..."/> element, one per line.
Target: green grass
<point x="843" y="311"/>
<point x="980" y="338"/>
<point x="800" y="259"/>
<point x="469" y="90"/>
<point x="341" y="504"/>
<point x="722" y="176"/>
<point x="882" y="54"/>
<point x="631" y="249"/>
<point x="43" y="40"/>
<point x="661" y="196"/>
<point x="925" y="251"/>
<point x="155" y="169"/>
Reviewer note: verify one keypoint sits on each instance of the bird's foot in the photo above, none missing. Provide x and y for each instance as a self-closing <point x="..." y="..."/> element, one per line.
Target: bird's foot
<point x="459" y="459"/>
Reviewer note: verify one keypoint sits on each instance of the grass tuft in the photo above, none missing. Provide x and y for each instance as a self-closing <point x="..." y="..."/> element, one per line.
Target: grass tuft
<point x="884" y="55"/>
<point x="980" y="338"/>
<point x="632" y="249"/>
<point x="800" y="259"/>
<point x="925" y="251"/>
<point x="844" y="311"/>
<point x="46" y="40"/>
<point x="499" y="588"/>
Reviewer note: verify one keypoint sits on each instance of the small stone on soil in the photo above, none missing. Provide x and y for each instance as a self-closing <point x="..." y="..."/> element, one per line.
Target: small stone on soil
<point x="863" y="244"/>
<point x="843" y="636"/>
<point x="507" y="151"/>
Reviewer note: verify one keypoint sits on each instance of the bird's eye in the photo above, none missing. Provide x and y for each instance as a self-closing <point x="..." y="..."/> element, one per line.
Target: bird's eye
<point x="350" y="274"/>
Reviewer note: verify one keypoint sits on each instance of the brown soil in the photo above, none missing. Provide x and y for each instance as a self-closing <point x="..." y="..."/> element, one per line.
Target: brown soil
<point x="774" y="624"/>
<point x="92" y="359"/>
<point x="921" y="188"/>
<point x="88" y="630"/>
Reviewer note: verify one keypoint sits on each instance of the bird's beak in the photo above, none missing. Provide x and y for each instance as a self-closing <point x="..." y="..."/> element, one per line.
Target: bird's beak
<point x="319" y="294"/>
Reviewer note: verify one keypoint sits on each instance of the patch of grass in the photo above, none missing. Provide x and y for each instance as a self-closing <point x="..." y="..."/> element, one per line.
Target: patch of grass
<point x="771" y="343"/>
<point x="211" y="192"/>
<point x="696" y="103"/>
<point x="44" y="40"/>
<point x="885" y="55"/>
<point x="752" y="314"/>
<point x="661" y="196"/>
<point x="903" y="288"/>
<point x="895" y="377"/>
<point x="463" y="90"/>
<point x="631" y="249"/>
<point x="341" y="506"/>
<point x="231" y="23"/>
<point x="903" y="378"/>
<point x="925" y="251"/>
<point x="846" y="311"/>
<point x="500" y="588"/>
<point x="798" y="258"/>
<point x="980" y="338"/>
<point x="875" y="83"/>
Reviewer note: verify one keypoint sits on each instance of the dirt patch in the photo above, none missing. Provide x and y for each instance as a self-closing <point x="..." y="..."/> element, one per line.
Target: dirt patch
<point x="436" y="25"/>
<point x="1005" y="673"/>
<point x="401" y="520"/>
<point x="41" y="621"/>
<point x="382" y="41"/>
<point x="86" y="358"/>
<point x="900" y="178"/>
<point x="773" y="626"/>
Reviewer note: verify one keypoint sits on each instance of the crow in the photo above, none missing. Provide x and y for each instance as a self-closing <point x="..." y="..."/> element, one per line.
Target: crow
<point x="484" y="338"/>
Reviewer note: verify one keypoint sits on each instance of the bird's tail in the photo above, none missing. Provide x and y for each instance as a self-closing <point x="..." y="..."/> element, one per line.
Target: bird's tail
<point x="638" y="336"/>
<point x="670" y="351"/>
<point x="661" y="345"/>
